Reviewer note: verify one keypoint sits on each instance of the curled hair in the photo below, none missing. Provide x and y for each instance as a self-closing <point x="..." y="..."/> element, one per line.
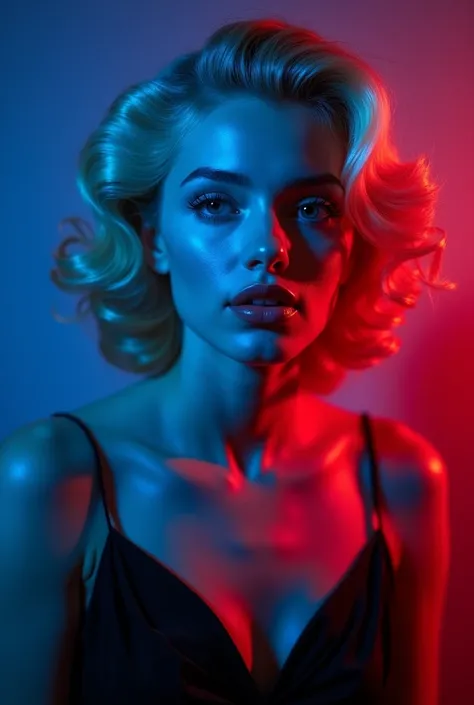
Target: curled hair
<point x="389" y="203"/>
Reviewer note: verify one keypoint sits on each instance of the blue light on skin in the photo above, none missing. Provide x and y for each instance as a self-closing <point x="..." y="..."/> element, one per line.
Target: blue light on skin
<point x="236" y="387"/>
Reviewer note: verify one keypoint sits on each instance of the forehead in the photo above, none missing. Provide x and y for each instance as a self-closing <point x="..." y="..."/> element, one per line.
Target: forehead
<point x="268" y="141"/>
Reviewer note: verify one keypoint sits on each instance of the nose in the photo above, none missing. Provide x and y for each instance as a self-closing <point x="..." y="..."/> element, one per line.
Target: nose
<point x="268" y="249"/>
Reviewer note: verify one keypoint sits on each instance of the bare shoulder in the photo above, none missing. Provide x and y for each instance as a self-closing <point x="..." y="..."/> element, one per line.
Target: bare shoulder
<point x="46" y="480"/>
<point x="48" y="465"/>
<point x="413" y="473"/>
<point x="45" y="450"/>
<point x="414" y="481"/>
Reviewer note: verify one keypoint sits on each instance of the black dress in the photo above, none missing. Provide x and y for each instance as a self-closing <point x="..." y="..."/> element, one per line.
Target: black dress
<point x="148" y="639"/>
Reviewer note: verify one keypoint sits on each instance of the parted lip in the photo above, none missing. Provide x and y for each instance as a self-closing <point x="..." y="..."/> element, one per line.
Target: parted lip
<point x="262" y="291"/>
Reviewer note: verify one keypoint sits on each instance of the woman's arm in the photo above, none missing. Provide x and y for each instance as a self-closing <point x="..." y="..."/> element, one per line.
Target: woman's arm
<point x="42" y="517"/>
<point x="415" y="487"/>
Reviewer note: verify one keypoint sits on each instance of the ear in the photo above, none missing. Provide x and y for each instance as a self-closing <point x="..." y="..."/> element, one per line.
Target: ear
<point x="156" y="255"/>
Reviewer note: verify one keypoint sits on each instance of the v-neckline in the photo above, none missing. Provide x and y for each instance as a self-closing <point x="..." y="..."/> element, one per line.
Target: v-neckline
<point x="298" y="644"/>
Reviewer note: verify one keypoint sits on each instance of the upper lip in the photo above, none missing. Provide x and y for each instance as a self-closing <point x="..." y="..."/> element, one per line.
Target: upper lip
<point x="264" y="291"/>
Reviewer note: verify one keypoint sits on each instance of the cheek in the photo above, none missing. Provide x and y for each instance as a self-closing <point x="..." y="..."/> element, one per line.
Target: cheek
<point x="196" y="270"/>
<point x="323" y="289"/>
<point x="189" y="255"/>
<point x="329" y="266"/>
<point x="317" y="255"/>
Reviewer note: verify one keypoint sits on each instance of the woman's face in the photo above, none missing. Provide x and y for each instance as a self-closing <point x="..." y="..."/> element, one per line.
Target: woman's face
<point x="216" y="234"/>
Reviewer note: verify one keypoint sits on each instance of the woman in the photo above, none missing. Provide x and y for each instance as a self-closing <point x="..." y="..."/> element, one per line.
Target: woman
<point x="219" y="532"/>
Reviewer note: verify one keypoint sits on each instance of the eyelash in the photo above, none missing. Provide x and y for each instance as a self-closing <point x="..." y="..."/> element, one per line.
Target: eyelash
<point x="198" y="204"/>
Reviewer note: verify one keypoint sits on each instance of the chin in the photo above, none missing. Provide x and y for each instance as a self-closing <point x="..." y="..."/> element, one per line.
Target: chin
<point x="265" y="349"/>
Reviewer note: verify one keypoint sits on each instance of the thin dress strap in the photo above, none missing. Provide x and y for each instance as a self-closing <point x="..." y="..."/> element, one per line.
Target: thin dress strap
<point x="101" y="460"/>
<point x="374" y="469"/>
<point x="377" y="503"/>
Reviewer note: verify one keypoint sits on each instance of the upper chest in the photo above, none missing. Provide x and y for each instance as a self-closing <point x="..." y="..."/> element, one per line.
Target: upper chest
<point x="317" y="503"/>
<point x="263" y="555"/>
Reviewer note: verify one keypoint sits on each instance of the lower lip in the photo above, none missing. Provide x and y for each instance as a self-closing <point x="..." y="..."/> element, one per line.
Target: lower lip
<point x="264" y="314"/>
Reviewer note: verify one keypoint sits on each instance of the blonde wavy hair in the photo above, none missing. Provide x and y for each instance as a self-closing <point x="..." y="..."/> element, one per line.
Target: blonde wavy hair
<point x="390" y="203"/>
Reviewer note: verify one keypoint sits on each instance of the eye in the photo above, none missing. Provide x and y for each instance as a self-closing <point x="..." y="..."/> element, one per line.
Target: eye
<point x="213" y="203"/>
<point x="213" y="206"/>
<point x="317" y="210"/>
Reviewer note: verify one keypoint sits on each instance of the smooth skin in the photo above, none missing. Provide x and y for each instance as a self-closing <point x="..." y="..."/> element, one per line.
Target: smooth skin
<point x="233" y="403"/>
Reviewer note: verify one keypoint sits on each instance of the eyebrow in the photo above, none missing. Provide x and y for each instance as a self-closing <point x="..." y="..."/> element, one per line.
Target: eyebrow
<point x="232" y="177"/>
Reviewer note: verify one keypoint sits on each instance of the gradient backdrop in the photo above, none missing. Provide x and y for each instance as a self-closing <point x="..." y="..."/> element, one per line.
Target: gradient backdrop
<point x="62" y="63"/>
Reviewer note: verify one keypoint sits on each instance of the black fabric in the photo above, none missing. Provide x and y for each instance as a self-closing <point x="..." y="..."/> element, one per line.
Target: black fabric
<point x="149" y="639"/>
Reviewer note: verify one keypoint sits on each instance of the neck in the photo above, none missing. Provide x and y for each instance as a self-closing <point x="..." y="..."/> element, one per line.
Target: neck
<point x="231" y="413"/>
